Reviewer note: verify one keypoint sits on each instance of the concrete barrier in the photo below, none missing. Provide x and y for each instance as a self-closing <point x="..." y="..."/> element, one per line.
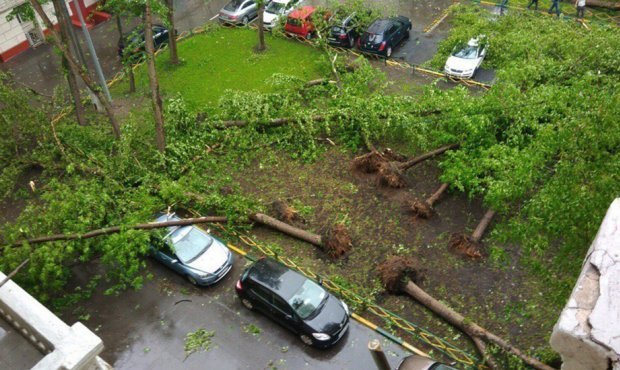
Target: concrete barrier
<point x="587" y="334"/>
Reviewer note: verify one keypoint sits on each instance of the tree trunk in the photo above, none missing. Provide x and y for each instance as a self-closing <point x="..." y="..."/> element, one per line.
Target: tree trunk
<point x="117" y="229"/>
<point x="466" y="325"/>
<point x="603" y="4"/>
<point x="437" y="194"/>
<point x="288" y="229"/>
<point x="74" y="89"/>
<point x="412" y="162"/>
<point x="154" y="84"/>
<point x="75" y="67"/>
<point x="261" y="30"/>
<point x="276" y="122"/>
<point x="126" y="64"/>
<point x="172" y="43"/>
<point x="476" y="236"/>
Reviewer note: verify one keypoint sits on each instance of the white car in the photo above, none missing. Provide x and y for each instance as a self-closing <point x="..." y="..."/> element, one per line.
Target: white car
<point x="466" y="59"/>
<point x="277" y="9"/>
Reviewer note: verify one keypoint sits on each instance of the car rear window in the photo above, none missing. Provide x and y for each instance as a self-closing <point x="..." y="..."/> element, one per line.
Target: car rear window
<point x="293" y="21"/>
<point x="338" y="30"/>
<point x="373" y="37"/>
<point x="233" y="5"/>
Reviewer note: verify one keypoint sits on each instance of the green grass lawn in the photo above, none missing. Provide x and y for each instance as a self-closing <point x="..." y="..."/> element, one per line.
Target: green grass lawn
<point x="225" y="59"/>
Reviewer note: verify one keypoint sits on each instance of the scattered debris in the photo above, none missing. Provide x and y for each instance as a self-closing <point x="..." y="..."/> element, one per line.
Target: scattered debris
<point x="252" y="329"/>
<point x="198" y="340"/>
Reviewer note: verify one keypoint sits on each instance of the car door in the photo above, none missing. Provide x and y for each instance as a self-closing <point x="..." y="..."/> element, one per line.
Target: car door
<point x="283" y="313"/>
<point x="165" y="254"/>
<point x="262" y="299"/>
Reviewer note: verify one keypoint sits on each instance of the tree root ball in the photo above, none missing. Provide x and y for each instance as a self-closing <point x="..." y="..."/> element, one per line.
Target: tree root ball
<point x="337" y="241"/>
<point x="420" y="208"/>
<point x="396" y="270"/>
<point x="283" y="212"/>
<point x="369" y="162"/>
<point x="465" y="245"/>
<point x="390" y="175"/>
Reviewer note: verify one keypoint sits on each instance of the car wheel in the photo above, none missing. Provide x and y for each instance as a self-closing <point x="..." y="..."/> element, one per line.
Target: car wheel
<point x="191" y="279"/>
<point x="306" y="339"/>
<point x="245" y="20"/>
<point x="247" y="304"/>
<point x="388" y="53"/>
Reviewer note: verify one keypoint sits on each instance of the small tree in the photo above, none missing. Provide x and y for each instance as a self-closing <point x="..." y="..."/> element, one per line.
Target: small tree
<point x="261" y="30"/>
<point x="154" y="84"/>
<point x="172" y="44"/>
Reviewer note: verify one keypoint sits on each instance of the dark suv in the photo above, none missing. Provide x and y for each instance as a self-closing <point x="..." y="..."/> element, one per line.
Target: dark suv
<point x="343" y="32"/>
<point x="294" y="301"/>
<point x="134" y="39"/>
<point x="384" y="35"/>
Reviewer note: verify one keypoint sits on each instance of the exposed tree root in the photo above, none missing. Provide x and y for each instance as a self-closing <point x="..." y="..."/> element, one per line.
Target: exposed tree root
<point x="369" y="162"/>
<point x="465" y="245"/>
<point x="391" y="175"/>
<point x="337" y="242"/>
<point x="421" y="209"/>
<point x="396" y="271"/>
<point x="283" y="212"/>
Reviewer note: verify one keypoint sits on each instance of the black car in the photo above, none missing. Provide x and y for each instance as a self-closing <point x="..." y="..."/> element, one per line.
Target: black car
<point x="294" y="301"/>
<point x="134" y="39"/>
<point x="343" y="32"/>
<point x="384" y="35"/>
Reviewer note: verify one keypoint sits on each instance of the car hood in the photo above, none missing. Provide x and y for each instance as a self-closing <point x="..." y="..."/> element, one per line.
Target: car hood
<point x="461" y="64"/>
<point x="269" y="17"/>
<point x="331" y="318"/>
<point x="212" y="259"/>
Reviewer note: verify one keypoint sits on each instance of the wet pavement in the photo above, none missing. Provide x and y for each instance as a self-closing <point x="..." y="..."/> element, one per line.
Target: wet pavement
<point x="146" y="329"/>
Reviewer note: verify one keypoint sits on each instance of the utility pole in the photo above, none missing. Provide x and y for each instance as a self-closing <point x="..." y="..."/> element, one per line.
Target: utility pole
<point x="91" y="49"/>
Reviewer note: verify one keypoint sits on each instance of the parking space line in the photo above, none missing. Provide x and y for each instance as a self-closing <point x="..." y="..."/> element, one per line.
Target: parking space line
<point x="215" y="16"/>
<point x="441" y="18"/>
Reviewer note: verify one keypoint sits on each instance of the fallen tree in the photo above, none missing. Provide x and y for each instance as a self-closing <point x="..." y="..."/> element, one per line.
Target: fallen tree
<point x="603" y="4"/>
<point x="424" y="208"/>
<point x="470" y="245"/>
<point x="117" y="229"/>
<point x="392" y="173"/>
<point x="396" y="276"/>
<point x="336" y="242"/>
<point x="275" y="122"/>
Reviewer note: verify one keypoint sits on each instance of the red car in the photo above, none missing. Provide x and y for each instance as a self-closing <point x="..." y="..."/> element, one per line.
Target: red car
<point x="298" y="22"/>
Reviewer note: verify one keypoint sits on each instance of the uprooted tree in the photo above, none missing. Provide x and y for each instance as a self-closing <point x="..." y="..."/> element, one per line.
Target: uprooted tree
<point x="470" y="245"/>
<point x="424" y="208"/>
<point x="398" y="274"/>
<point x="390" y="172"/>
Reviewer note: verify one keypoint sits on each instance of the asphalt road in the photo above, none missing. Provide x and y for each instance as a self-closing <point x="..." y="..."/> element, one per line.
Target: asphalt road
<point x="146" y="329"/>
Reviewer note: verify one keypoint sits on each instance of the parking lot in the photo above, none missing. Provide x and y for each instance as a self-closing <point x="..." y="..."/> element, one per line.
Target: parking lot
<point x="39" y="68"/>
<point x="145" y="329"/>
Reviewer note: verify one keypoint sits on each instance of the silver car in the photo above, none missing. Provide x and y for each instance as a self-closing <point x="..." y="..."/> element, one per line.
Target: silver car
<point x="238" y="12"/>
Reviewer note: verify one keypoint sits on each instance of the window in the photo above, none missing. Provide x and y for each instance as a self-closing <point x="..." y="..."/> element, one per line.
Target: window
<point x="392" y="29"/>
<point x="308" y="298"/>
<point x="189" y="243"/>
<point x="281" y="305"/>
<point x="261" y="293"/>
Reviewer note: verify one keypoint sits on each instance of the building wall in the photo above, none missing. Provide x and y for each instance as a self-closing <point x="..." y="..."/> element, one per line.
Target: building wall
<point x="13" y="39"/>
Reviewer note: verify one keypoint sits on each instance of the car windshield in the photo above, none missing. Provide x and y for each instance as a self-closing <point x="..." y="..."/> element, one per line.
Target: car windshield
<point x="233" y="5"/>
<point x="465" y="52"/>
<point x="189" y="243"/>
<point x="275" y="8"/>
<point x="307" y="299"/>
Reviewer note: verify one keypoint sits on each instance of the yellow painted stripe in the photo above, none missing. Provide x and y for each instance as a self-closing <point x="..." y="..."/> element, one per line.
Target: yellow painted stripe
<point x="237" y="250"/>
<point x="363" y="321"/>
<point x="413" y="349"/>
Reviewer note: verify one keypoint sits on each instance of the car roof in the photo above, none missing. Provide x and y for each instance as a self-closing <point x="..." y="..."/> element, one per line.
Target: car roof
<point x="276" y="277"/>
<point x="303" y="12"/>
<point x="379" y="26"/>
